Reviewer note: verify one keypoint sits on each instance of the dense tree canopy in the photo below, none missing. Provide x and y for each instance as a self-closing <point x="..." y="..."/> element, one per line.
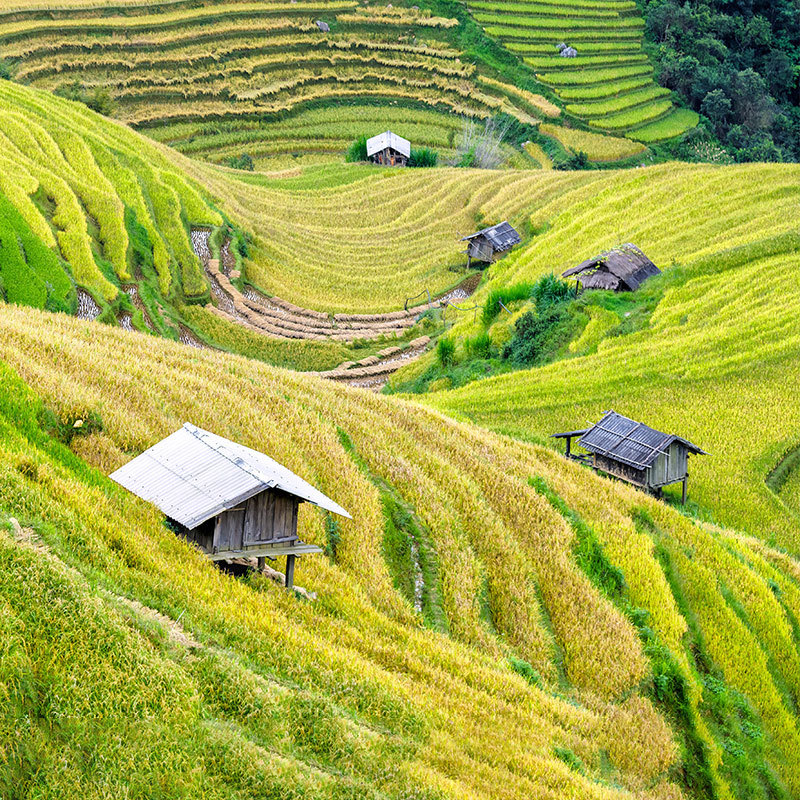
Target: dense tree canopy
<point x="737" y="62"/>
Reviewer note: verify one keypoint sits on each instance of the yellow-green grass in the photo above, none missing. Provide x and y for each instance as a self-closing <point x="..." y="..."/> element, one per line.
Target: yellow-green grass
<point x="617" y="104"/>
<point x="598" y="147"/>
<point x="254" y="691"/>
<point x="310" y="241"/>
<point x="256" y="63"/>
<point x="536" y="152"/>
<point x="607" y="37"/>
<point x="666" y="128"/>
<point x="790" y="491"/>
<point x="325" y="130"/>
<point x="97" y="206"/>
<point x="90" y="171"/>
<point x="717" y="360"/>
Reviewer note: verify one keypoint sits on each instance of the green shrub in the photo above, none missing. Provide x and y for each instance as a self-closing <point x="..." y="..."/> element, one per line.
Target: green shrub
<point x="100" y="101"/>
<point x="421" y="157"/>
<point x="243" y="161"/>
<point x="358" y="150"/>
<point x="549" y="291"/>
<point x="446" y="352"/>
<point x="532" y="335"/>
<point x="479" y="346"/>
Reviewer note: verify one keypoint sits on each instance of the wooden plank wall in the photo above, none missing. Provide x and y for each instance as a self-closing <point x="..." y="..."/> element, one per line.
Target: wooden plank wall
<point x="270" y="517"/>
<point x="627" y="473"/>
<point x="229" y="529"/>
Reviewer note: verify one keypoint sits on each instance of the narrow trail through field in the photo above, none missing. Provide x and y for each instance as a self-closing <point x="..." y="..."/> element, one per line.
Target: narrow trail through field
<point x="279" y="318"/>
<point x="275" y="317"/>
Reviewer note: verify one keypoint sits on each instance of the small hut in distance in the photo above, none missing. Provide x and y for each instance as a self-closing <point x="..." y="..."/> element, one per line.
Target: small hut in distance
<point x="389" y="150"/>
<point x="487" y="244"/>
<point x="633" y="452"/>
<point x="231" y="501"/>
<point x="622" y="269"/>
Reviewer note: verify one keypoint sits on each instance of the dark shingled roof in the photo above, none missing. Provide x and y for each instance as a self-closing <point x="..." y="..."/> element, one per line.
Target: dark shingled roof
<point x="500" y="236"/>
<point x="630" y="442"/>
<point x="625" y="265"/>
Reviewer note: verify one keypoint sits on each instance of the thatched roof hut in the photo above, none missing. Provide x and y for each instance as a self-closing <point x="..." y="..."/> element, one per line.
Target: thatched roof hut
<point x="622" y="269"/>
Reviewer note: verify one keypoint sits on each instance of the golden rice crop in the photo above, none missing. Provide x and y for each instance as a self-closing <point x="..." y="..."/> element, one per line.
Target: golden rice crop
<point x="597" y="147"/>
<point x="361" y="642"/>
<point x="723" y="315"/>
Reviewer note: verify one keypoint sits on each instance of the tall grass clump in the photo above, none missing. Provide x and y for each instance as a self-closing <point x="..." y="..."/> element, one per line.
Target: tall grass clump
<point x="480" y="146"/>
<point x="423" y="157"/>
<point x="358" y="149"/>
<point x="446" y="352"/>
<point x="497" y="298"/>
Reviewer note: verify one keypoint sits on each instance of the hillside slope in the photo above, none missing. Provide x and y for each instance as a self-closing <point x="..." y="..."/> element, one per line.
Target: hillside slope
<point x="120" y="208"/>
<point x="708" y="350"/>
<point x="219" y="79"/>
<point x="609" y="81"/>
<point x="661" y="655"/>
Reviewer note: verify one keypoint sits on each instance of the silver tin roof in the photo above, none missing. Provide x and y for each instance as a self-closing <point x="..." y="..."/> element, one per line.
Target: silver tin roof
<point x="193" y="475"/>
<point x="630" y="442"/>
<point x="388" y="139"/>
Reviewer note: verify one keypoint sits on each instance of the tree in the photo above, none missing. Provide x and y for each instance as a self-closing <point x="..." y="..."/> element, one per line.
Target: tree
<point x="717" y="107"/>
<point x="101" y="102"/>
<point x="780" y="74"/>
<point x="752" y="101"/>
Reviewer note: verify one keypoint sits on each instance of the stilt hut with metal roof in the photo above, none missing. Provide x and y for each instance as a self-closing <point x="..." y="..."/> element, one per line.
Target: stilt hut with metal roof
<point x="622" y="269"/>
<point x="229" y="500"/>
<point x="633" y="452"/>
<point x="389" y="150"/>
<point x="490" y="243"/>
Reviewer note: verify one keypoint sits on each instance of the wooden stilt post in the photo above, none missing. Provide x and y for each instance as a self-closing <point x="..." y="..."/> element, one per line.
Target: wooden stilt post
<point x="683" y="496"/>
<point x="290" y="559"/>
<point x="261" y="562"/>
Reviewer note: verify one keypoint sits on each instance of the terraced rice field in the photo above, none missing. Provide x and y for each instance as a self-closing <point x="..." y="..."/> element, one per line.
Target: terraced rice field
<point x="207" y="76"/>
<point x="326" y="131"/>
<point x="117" y="208"/>
<point x="715" y="361"/>
<point x="597" y="146"/>
<point x="610" y="82"/>
<point x="599" y="597"/>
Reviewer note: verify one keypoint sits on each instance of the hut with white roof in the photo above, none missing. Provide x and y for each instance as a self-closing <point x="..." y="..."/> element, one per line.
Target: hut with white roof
<point x="229" y="500"/>
<point x="389" y="150"/>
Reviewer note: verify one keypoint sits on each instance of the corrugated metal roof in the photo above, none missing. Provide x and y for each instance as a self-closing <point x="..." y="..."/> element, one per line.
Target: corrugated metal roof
<point x="193" y="475"/>
<point x="500" y="236"/>
<point x="388" y="139"/>
<point x="630" y="442"/>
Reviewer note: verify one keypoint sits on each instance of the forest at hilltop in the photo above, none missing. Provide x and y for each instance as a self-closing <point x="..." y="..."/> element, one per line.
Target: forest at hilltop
<point x="738" y="64"/>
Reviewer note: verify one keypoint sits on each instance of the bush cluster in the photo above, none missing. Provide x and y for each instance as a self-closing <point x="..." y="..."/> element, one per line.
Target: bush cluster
<point x="736" y="63"/>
